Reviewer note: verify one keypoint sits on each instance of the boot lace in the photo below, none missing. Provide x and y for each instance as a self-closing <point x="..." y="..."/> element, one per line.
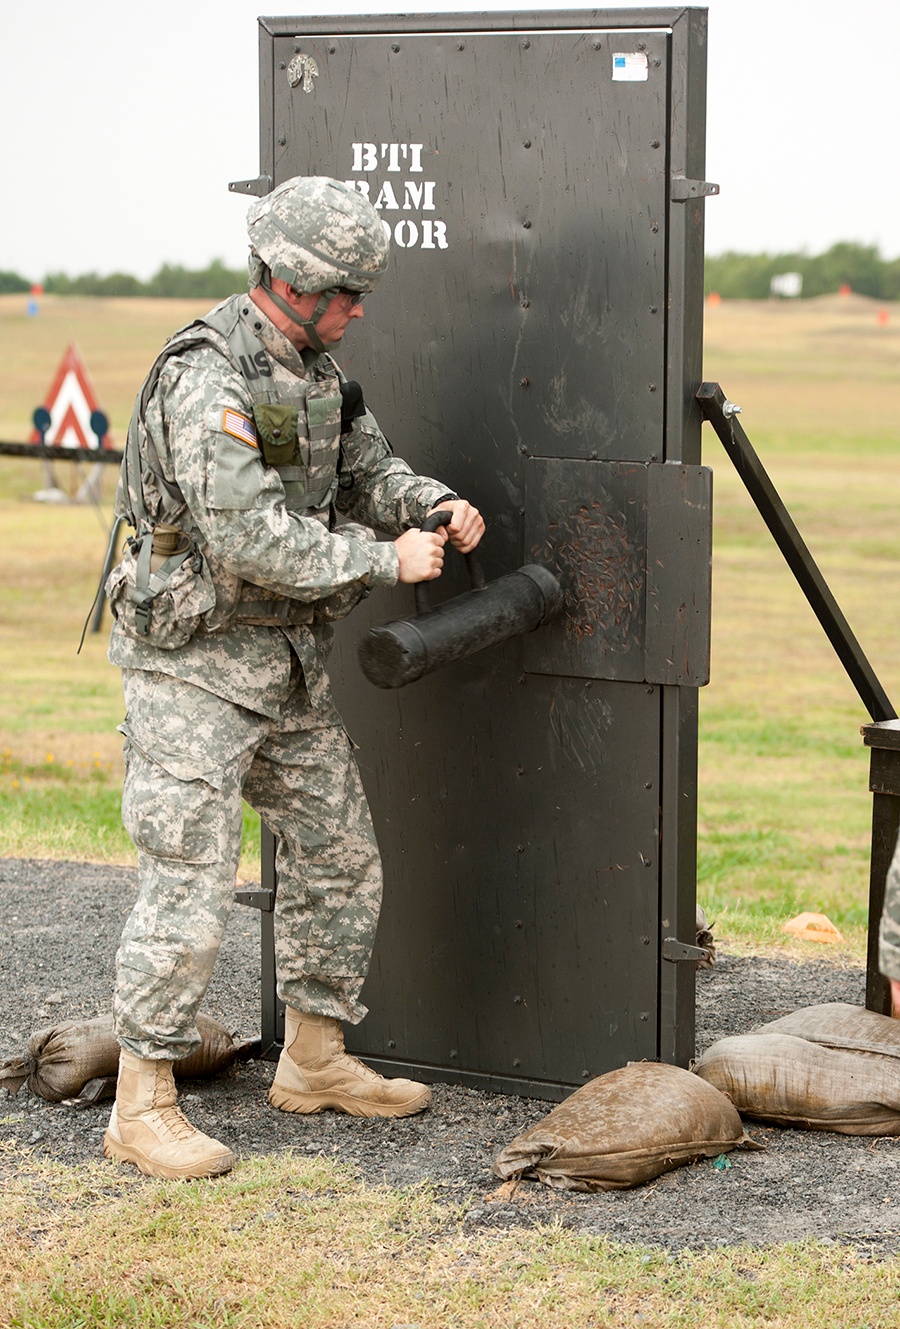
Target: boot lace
<point x="175" y="1123"/>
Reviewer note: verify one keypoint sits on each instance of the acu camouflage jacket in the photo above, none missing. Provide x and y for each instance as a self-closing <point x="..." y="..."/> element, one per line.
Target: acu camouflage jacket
<point x="265" y="572"/>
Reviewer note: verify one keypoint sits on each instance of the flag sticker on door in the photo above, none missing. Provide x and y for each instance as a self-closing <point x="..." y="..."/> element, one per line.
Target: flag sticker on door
<point x="630" y="68"/>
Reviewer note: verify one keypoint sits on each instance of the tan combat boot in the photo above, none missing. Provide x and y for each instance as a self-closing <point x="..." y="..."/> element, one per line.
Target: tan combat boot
<point x="147" y="1129"/>
<point x="314" y="1072"/>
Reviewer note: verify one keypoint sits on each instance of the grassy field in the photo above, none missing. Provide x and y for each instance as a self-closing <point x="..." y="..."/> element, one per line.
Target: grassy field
<point x="296" y="1243"/>
<point x="784" y="827"/>
<point x="785" y="811"/>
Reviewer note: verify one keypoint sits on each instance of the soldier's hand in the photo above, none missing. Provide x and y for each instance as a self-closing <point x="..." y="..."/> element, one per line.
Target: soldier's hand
<point x="421" y="554"/>
<point x="467" y="526"/>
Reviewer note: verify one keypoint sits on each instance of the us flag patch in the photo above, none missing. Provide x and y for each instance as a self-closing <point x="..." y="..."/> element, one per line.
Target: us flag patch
<point x="238" y="426"/>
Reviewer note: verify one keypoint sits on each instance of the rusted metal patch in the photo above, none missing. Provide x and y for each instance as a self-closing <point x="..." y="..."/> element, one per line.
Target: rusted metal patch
<point x="630" y="545"/>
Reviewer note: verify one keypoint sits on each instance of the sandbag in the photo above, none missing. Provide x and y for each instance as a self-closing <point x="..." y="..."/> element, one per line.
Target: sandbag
<point x="62" y="1059"/>
<point x="832" y="1067"/>
<point x="624" y="1128"/>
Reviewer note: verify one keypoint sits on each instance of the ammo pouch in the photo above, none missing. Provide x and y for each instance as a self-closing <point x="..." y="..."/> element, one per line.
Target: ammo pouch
<point x="276" y="431"/>
<point x="160" y="597"/>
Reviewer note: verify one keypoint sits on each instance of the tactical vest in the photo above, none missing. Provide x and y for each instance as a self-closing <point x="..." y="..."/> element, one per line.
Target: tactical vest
<point x="298" y="431"/>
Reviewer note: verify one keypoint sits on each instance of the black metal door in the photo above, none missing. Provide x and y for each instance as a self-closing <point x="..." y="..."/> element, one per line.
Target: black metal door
<point x="535" y="346"/>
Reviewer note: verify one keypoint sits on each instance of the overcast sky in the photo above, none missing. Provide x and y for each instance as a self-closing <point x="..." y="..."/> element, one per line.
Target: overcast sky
<point x="121" y="124"/>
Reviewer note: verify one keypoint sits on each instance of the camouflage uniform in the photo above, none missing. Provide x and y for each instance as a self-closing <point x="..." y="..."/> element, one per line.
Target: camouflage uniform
<point x="889" y="937"/>
<point x="243" y="707"/>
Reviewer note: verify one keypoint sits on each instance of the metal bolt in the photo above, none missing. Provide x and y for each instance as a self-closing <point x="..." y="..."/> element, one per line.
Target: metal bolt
<point x="645" y="1015"/>
<point x="594" y="455"/>
<point x="597" y="44"/>
<point x="650" y="690"/>
<point x="331" y="50"/>
<point x="654" y="309"/>
<point x="656" y="63"/>
<point x="519" y="923"/>
<point x="527" y="225"/>
<point x="526" y="304"/>
<point x="654" y="456"/>
<point x="516" y="1061"/>
<point x="460" y="46"/>
<point x="655" y="228"/>
<point x="527" y="143"/>
<point x="526" y="45"/>
<point x="648" y="784"/>
<point x="729" y="409"/>
<point x="645" y="941"/>
<point x="524" y="382"/>
<point x="281" y="141"/>
<point x="655" y="143"/>
<point x="282" y="64"/>
<point x="585" y="1075"/>
<point x="453" y="1052"/>
<point x="642" y="46"/>
<point x="395" y="47"/>
<point x="651" y="387"/>
<point x="517" y="1000"/>
<point x="520" y="849"/>
<point x="391" y="1043"/>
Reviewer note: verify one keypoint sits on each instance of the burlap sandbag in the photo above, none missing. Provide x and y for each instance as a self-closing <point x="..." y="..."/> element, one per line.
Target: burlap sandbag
<point x="624" y="1128"/>
<point x="832" y="1067"/>
<point x="61" y="1060"/>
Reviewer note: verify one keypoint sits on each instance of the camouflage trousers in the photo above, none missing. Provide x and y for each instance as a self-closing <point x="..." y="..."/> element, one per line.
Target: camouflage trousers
<point x="190" y="759"/>
<point x="889" y="933"/>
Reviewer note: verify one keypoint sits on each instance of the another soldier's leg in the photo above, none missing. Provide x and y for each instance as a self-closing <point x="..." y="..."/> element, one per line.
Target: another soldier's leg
<point x="186" y="753"/>
<point x="889" y="932"/>
<point x="305" y="783"/>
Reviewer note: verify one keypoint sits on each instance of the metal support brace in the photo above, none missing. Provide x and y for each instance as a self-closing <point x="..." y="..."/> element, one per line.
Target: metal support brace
<point x="721" y="413"/>
<point x="263" y="899"/>
<point x="883" y="737"/>
<point x="883" y="740"/>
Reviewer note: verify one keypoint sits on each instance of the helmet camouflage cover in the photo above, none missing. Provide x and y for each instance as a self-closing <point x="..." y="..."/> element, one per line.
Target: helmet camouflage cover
<point x="317" y="234"/>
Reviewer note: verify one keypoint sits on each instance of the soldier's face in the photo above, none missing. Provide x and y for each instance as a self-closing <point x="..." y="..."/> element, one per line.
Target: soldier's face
<point x="337" y="317"/>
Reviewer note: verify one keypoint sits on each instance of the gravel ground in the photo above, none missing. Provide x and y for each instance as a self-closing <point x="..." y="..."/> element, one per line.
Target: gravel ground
<point x="62" y="922"/>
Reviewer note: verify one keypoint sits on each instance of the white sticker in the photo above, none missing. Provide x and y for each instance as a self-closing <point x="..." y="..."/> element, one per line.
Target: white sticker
<point x="630" y="68"/>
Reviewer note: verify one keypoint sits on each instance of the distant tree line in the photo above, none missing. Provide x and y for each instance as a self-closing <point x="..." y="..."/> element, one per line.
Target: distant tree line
<point x="210" y="283"/>
<point x="734" y="276"/>
<point x="861" y="267"/>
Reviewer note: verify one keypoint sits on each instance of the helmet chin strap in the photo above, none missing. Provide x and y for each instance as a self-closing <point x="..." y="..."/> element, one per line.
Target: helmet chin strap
<point x="307" y="324"/>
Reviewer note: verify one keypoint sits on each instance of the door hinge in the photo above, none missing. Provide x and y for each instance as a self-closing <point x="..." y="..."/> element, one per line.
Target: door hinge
<point x="256" y="898"/>
<point x="675" y="950"/>
<point x="683" y="189"/>
<point x="258" y="186"/>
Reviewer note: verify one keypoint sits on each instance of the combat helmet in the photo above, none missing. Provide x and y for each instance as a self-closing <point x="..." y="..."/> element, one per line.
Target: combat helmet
<point x="317" y="234"/>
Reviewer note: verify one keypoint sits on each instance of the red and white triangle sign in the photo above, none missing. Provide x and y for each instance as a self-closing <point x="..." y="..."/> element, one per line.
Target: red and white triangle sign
<point x="71" y="400"/>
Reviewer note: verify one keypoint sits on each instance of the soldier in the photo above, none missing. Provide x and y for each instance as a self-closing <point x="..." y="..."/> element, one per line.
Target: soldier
<point x="246" y="440"/>
<point x="889" y="935"/>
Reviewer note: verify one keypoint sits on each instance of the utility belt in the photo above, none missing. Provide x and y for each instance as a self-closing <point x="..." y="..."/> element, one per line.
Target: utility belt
<point x="161" y="593"/>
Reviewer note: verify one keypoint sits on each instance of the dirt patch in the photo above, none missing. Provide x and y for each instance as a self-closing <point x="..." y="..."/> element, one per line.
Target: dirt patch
<point x="62" y="924"/>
